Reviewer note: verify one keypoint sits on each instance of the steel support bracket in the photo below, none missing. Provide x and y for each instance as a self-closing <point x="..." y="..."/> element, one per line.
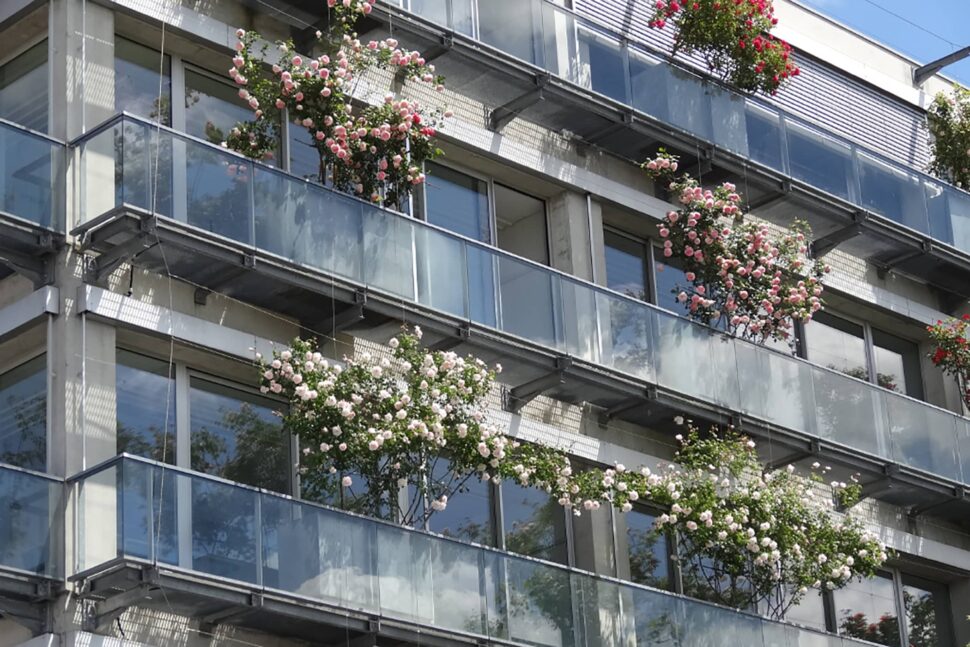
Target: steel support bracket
<point x="883" y="267"/>
<point x="503" y="114"/>
<point x="348" y="317"/>
<point x="814" y="448"/>
<point x="462" y="334"/>
<point x="519" y="396"/>
<point x="921" y="74"/>
<point x="822" y="246"/>
<point x="881" y="485"/>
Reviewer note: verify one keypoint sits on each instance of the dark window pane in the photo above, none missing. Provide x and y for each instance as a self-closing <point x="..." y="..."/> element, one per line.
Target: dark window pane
<point x="137" y="83"/>
<point x="237" y="436"/>
<point x="607" y="71"/>
<point x="897" y="364"/>
<point x="626" y="265"/>
<point x="647" y="550"/>
<point x="23" y="88"/>
<point x="670" y="280"/>
<point x="837" y="344"/>
<point x="146" y="420"/>
<point x="534" y="523"/>
<point x="457" y="202"/>
<point x="520" y="221"/>
<point x="23" y="415"/>
<point x="927" y="612"/>
<point x="468" y="515"/>
<point x="509" y="26"/>
<point x="212" y="107"/>
<point x="867" y="610"/>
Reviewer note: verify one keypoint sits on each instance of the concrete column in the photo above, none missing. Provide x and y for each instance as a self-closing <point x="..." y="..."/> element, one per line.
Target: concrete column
<point x="569" y="239"/>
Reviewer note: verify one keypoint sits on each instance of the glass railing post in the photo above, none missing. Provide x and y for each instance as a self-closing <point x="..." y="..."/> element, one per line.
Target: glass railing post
<point x="258" y="532"/>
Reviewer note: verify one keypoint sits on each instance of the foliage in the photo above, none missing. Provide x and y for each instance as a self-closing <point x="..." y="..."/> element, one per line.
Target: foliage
<point x="952" y="352"/>
<point x="733" y="37"/>
<point x="948" y="119"/>
<point x="373" y="151"/>
<point x="743" y="277"/>
<point x="756" y="538"/>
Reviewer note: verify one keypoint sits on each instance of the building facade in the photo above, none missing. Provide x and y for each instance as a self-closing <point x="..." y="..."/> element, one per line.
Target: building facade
<point x="149" y="494"/>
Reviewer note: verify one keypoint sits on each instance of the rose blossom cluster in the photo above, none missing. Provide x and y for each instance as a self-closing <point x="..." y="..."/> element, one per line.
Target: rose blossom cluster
<point x="734" y="38"/>
<point x="952" y="351"/>
<point x="740" y="275"/>
<point x="376" y="151"/>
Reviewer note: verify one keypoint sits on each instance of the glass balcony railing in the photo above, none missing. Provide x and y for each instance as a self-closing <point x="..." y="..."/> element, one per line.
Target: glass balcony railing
<point x="32" y="177"/>
<point x="267" y="210"/>
<point x="30" y="527"/>
<point x="206" y="525"/>
<point x="588" y="54"/>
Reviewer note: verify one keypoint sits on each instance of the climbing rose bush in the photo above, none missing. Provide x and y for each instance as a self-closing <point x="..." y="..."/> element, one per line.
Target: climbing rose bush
<point x="376" y="152"/>
<point x="948" y="119"/>
<point x="740" y="275"/>
<point x="379" y="430"/>
<point x="734" y="38"/>
<point x="952" y="352"/>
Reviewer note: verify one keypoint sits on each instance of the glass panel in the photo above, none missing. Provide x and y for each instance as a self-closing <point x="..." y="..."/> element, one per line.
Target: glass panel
<point x="456" y="575"/>
<point x="837" y="344"/>
<point x="439" y="258"/>
<point x="28" y="525"/>
<point x="927" y="612"/>
<point x="559" y="42"/>
<point x="24" y="88"/>
<point x="237" y="436"/>
<point x="510" y="26"/>
<point x="304" y="158"/>
<point x="457" y="202"/>
<point x="809" y="612"/>
<point x="538" y="602"/>
<point x="217" y="192"/>
<point x="530" y="301"/>
<point x="23" y="415"/>
<point x="455" y="14"/>
<point x="708" y="625"/>
<point x="764" y="137"/>
<point x="404" y="565"/>
<point x="31" y="177"/>
<point x="819" y="161"/>
<point x="696" y="361"/>
<point x="897" y="364"/>
<point x="481" y="270"/>
<point x="923" y="437"/>
<point x="148" y="514"/>
<point x="601" y="605"/>
<point x="778" y="389"/>
<point x="648" y="80"/>
<point x="212" y="107"/>
<point x="659" y="619"/>
<point x="729" y="119"/>
<point x="867" y="610"/>
<point x="328" y="555"/>
<point x="388" y="252"/>
<point x="939" y="215"/>
<point x="646" y="550"/>
<point x="145" y="407"/>
<point x="534" y="523"/>
<point x="850" y="412"/>
<point x="146" y="156"/>
<point x="580" y="320"/>
<point x="892" y="193"/>
<point x="628" y="333"/>
<point x="223" y="529"/>
<point x="670" y="94"/>
<point x="471" y="519"/>
<point x="520" y="221"/>
<point x="626" y="265"/>
<point x="959" y="205"/>
<point x="605" y="69"/>
<point x="670" y="281"/>
<point x="137" y="83"/>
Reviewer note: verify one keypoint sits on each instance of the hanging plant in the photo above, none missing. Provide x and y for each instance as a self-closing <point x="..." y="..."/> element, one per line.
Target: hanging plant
<point x="952" y="352"/>
<point x="740" y="276"/>
<point x="379" y="429"/>
<point x="948" y="119"/>
<point x="734" y="39"/>
<point x="376" y="152"/>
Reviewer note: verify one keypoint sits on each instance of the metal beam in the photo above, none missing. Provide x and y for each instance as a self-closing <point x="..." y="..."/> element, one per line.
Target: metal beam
<point x="959" y="493"/>
<point x="503" y="114"/>
<point x="464" y="333"/>
<point x="228" y="613"/>
<point x="772" y="197"/>
<point x="36" y="268"/>
<point x="624" y="406"/>
<point x="825" y="244"/>
<point x="921" y="74"/>
<point x="348" y="317"/>
<point x="814" y="449"/>
<point x="523" y="394"/>
<point x="101" y="266"/>
<point x="880" y="486"/>
<point x="883" y="267"/>
<point x="445" y="42"/>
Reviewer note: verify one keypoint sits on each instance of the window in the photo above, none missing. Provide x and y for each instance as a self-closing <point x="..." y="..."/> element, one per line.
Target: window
<point x="534" y="523"/>
<point x="232" y="431"/>
<point x="471" y="518"/>
<point x="927" y="609"/>
<point x="841" y="344"/>
<point x="669" y="280"/>
<point x="626" y="265"/>
<point x="23" y="415"/>
<point x="456" y="14"/>
<point x="867" y="610"/>
<point x="137" y="83"/>
<point x="146" y="420"/>
<point x="646" y="560"/>
<point x="212" y="107"/>
<point x="24" y="88"/>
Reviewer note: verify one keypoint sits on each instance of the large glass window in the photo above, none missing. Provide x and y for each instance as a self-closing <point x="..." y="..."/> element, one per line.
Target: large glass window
<point x="236" y="435"/>
<point x="867" y="610"/>
<point x="534" y="523"/>
<point x="646" y="550"/>
<point x="626" y="265"/>
<point x="520" y="224"/>
<point x="24" y="88"/>
<point x="897" y="364"/>
<point x="838" y="344"/>
<point x="145" y="407"/>
<point x="927" y="608"/>
<point x="212" y="107"/>
<point x="470" y="518"/>
<point x="138" y="88"/>
<point x="457" y="202"/>
<point x="23" y="415"/>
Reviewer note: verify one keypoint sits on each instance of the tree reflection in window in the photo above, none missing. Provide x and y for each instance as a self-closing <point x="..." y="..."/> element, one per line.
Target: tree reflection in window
<point x="23" y="415"/>
<point x="534" y="523"/>
<point x="647" y="549"/>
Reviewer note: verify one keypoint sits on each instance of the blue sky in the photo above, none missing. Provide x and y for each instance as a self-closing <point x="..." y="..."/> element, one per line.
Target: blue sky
<point x="945" y="26"/>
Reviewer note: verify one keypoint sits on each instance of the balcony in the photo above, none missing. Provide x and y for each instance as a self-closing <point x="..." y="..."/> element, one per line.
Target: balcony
<point x="545" y="64"/>
<point x="333" y="262"/>
<point x="225" y="553"/>
<point x="32" y="194"/>
<point x="31" y="553"/>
